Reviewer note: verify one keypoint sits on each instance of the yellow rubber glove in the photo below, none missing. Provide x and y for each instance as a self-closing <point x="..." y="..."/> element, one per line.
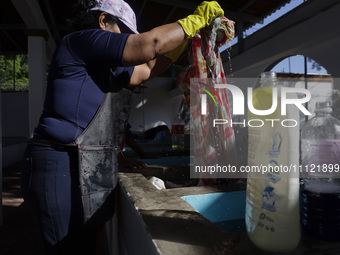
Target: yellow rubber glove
<point x="176" y="53"/>
<point x="204" y="14"/>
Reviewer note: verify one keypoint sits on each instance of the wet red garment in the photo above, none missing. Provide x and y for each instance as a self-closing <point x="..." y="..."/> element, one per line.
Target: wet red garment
<point x="213" y="145"/>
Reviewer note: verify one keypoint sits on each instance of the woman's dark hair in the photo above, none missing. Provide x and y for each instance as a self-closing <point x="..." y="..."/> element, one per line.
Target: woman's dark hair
<point x="83" y="18"/>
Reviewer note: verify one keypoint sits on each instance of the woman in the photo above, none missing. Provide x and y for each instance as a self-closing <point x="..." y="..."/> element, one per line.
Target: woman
<point x="70" y="166"/>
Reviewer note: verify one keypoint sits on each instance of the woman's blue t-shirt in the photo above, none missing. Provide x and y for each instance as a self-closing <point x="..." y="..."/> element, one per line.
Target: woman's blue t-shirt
<point x="80" y="73"/>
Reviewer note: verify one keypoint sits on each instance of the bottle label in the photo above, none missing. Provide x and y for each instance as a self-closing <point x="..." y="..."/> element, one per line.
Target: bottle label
<point x="272" y="145"/>
<point x="269" y="199"/>
<point x="320" y="158"/>
<point x="272" y="208"/>
<point x="178" y="129"/>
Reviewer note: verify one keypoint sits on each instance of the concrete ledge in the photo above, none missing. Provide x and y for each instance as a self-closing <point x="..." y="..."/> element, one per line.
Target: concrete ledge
<point x="173" y="226"/>
<point x="160" y="222"/>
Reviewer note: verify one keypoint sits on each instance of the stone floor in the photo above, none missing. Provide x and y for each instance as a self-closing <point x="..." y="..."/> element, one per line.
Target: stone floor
<point x="18" y="232"/>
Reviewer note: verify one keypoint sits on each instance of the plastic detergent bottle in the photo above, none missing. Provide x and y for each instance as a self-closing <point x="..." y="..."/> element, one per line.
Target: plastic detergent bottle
<point x="320" y="191"/>
<point x="272" y="204"/>
<point x="177" y="131"/>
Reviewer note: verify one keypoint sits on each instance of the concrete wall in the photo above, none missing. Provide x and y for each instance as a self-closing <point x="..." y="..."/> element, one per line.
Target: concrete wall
<point x="133" y="237"/>
<point x="312" y="30"/>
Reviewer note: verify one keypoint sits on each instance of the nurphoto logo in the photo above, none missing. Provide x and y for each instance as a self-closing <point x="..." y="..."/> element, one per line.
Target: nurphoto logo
<point x="239" y="101"/>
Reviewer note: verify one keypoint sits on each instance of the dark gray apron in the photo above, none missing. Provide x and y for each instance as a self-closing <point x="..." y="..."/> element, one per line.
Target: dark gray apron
<point x="98" y="147"/>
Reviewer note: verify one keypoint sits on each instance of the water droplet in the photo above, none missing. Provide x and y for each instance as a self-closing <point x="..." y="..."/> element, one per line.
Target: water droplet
<point x="228" y="47"/>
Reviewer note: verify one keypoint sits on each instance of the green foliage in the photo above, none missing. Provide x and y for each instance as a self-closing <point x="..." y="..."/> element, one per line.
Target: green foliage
<point x="14" y="72"/>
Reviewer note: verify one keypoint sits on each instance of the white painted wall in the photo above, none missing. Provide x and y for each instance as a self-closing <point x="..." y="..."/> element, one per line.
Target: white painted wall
<point x="159" y="103"/>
